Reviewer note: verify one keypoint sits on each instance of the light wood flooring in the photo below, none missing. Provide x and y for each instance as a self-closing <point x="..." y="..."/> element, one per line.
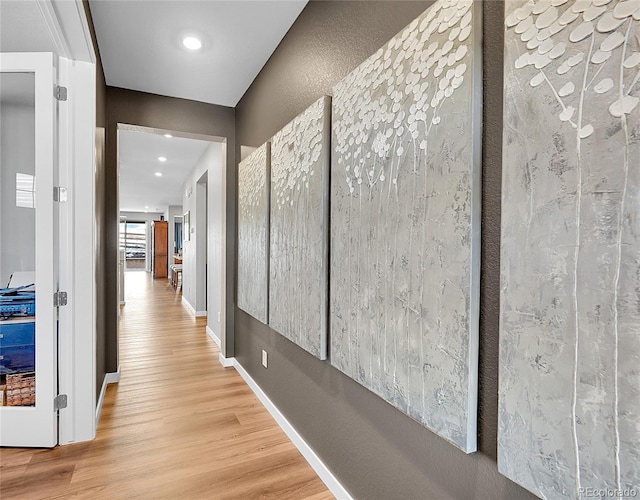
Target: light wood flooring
<point x="177" y="426"/>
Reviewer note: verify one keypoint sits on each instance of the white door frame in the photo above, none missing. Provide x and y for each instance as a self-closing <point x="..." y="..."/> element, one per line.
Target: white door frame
<point x="70" y="33"/>
<point x="77" y="341"/>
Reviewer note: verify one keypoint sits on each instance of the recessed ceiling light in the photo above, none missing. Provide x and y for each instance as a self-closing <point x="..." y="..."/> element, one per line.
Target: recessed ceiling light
<point x="168" y="136"/>
<point x="162" y="158"/>
<point x="192" y="43"/>
<point x="158" y="174"/>
<point x="146" y="206"/>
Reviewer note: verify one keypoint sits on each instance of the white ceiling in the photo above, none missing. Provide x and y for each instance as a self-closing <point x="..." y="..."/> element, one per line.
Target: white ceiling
<point x="140" y="43"/>
<point x="140" y="189"/>
<point x="23" y="28"/>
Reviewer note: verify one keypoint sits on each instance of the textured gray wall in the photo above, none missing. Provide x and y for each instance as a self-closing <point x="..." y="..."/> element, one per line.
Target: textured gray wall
<point x="374" y="449"/>
<point x="100" y="228"/>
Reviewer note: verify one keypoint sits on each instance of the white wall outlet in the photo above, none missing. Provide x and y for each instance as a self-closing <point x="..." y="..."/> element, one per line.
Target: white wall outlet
<point x="218" y="316"/>
<point x="264" y="358"/>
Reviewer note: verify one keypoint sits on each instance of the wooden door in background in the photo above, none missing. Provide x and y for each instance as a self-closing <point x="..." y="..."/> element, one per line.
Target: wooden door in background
<point x="160" y="248"/>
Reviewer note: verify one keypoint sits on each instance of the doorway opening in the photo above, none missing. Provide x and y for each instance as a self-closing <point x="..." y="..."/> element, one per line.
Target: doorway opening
<point x="202" y="230"/>
<point x="134" y="244"/>
<point x="181" y="179"/>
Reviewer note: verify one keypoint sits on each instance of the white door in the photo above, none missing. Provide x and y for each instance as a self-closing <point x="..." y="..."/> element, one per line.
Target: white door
<point x="28" y="249"/>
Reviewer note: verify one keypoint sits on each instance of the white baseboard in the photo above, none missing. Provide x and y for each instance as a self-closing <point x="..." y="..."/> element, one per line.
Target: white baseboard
<point x="226" y="362"/>
<point x="109" y="378"/>
<point x="307" y="452"/>
<point x="186" y="303"/>
<point x="214" y="337"/>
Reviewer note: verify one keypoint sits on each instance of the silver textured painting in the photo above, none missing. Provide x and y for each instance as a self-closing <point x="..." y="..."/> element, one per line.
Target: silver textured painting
<point x="569" y="398"/>
<point x="298" y="282"/>
<point x="405" y="202"/>
<point x="253" y="233"/>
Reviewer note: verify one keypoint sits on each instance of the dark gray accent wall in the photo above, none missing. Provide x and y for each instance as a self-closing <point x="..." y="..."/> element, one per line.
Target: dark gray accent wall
<point x="100" y="193"/>
<point x="373" y="449"/>
<point x="168" y="113"/>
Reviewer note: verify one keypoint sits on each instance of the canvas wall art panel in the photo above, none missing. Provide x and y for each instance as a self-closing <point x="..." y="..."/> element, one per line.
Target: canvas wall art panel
<point x="569" y="397"/>
<point x="253" y="233"/>
<point x="298" y="282"/>
<point x="405" y="202"/>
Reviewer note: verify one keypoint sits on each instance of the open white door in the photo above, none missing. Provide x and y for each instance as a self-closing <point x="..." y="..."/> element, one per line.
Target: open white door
<point x="28" y="243"/>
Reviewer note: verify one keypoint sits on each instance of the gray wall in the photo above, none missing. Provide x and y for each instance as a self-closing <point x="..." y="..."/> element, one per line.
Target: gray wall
<point x="376" y="451"/>
<point x="194" y="261"/>
<point x="18" y="228"/>
<point x="100" y="227"/>
<point x="167" y="113"/>
<point x="170" y="215"/>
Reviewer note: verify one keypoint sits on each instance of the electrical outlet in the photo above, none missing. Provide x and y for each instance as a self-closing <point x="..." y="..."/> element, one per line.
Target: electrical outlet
<point x="264" y="358"/>
<point x="218" y="316"/>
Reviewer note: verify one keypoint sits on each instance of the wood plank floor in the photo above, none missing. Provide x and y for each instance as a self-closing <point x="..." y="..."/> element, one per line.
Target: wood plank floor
<point x="177" y="426"/>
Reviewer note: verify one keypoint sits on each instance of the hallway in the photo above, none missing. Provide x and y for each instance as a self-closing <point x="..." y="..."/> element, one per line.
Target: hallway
<point x="178" y="425"/>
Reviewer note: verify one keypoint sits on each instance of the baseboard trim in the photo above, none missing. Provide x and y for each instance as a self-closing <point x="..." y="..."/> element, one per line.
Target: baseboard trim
<point x="109" y="378"/>
<point x="307" y="452"/>
<point x="197" y="314"/>
<point x="185" y="303"/>
<point x="213" y="336"/>
<point x="226" y="362"/>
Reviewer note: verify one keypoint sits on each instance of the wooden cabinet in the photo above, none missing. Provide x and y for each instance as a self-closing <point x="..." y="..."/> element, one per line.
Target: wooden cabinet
<point x="160" y="248"/>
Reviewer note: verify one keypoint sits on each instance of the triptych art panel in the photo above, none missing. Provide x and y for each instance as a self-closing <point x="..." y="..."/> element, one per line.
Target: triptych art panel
<point x="569" y="401"/>
<point x="253" y="232"/>
<point x="405" y="184"/>
<point x="298" y="284"/>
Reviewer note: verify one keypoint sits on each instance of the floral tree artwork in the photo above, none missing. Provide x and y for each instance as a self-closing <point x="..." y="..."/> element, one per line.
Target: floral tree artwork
<point x="405" y="190"/>
<point x="298" y="282"/>
<point x="253" y="233"/>
<point x="569" y="398"/>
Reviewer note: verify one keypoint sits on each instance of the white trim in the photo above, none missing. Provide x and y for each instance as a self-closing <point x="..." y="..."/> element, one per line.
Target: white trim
<point x="86" y="32"/>
<point x="213" y="336"/>
<point x="101" y="400"/>
<point x="185" y="303"/>
<point x="226" y="362"/>
<point x="113" y="377"/>
<point x="314" y="461"/>
<point x="109" y="378"/>
<point x="56" y="32"/>
<point x="77" y="325"/>
<point x="197" y="314"/>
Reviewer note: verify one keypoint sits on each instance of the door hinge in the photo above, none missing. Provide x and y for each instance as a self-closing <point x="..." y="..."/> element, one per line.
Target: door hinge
<point x="59" y="299"/>
<point x="60" y="93"/>
<point x="59" y="402"/>
<point x="60" y="194"/>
